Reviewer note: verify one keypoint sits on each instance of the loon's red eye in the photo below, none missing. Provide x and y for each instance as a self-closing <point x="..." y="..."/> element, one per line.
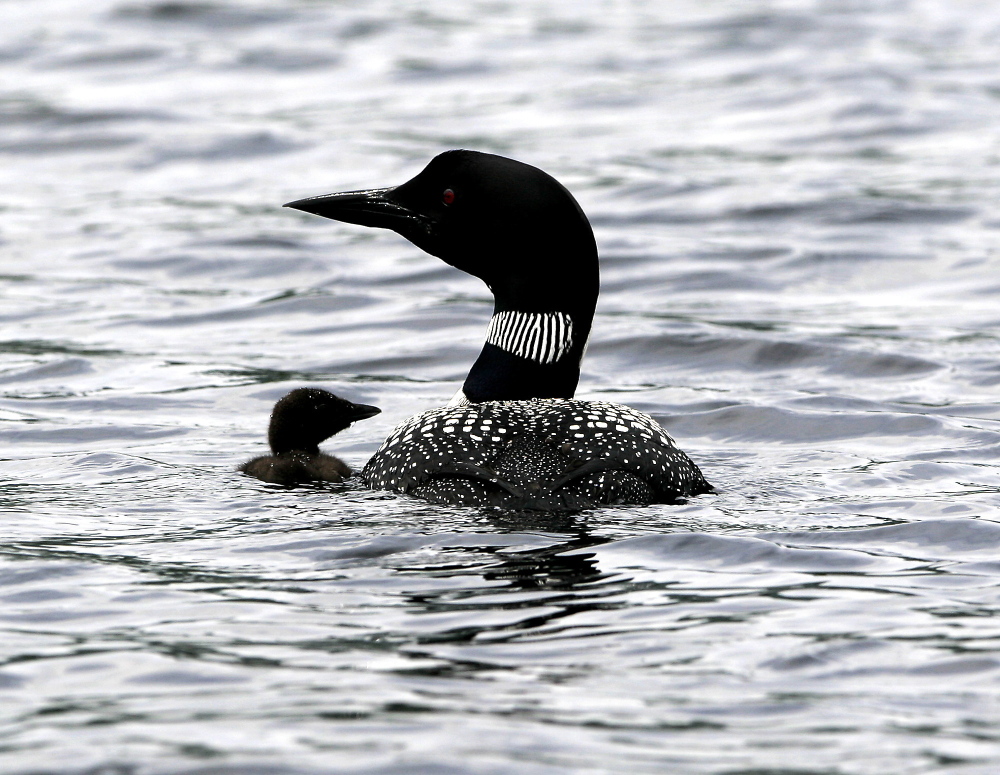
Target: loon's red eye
<point x="448" y="196"/>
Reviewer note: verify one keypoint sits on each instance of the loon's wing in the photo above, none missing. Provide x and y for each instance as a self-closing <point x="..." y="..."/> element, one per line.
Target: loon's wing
<point x="460" y="469"/>
<point x="489" y="476"/>
<point x="590" y="467"/>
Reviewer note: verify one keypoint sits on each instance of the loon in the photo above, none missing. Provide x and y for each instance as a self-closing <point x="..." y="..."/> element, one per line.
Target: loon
<point x="514" y="436"/>
<point x="299" y="422"/>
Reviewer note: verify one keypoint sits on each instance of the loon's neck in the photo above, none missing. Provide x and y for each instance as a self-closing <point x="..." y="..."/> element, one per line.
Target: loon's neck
<point x="530" y="354"/>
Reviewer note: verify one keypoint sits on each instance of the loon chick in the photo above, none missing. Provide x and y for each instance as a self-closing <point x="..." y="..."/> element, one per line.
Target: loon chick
<point x="514" y="436"/>
<point x="299" y="422"/>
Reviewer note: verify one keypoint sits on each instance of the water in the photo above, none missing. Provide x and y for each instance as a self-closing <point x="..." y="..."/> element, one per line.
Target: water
<point x="796" y="208"/>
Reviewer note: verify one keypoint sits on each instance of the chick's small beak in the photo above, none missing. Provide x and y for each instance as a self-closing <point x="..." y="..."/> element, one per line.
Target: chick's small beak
<point x="363" y="412"/>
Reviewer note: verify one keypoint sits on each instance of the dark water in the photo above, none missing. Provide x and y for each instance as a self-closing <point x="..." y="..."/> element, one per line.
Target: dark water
<point x="796" y="204"/>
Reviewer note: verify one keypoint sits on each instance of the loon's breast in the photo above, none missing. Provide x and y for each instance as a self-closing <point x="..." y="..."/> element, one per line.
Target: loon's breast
<point x="546" y="454"/>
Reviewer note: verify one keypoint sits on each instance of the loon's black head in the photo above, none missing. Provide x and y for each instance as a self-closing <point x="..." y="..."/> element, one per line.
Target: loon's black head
<point x="520" y="231"/>
<point x="307" y="416"/>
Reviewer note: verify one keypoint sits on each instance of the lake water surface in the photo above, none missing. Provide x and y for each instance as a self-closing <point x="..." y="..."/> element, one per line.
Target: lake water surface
<point x="796" y="204"/>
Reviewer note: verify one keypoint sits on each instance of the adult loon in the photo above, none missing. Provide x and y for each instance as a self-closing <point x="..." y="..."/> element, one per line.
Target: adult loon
<point x="299" y="422"/>
<point x="514" y="436"/>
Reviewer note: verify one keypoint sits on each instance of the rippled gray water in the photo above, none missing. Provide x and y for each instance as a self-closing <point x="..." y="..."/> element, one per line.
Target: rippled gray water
<point x="796" y="204"/>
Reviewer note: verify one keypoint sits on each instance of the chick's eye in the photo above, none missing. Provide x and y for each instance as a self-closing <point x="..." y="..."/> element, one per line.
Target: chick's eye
<point x="448" y="196"/>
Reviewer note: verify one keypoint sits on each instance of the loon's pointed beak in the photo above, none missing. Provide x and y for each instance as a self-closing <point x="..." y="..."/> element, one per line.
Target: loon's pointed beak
<point x="374" y="207"/>
<point x="363" y="412"/>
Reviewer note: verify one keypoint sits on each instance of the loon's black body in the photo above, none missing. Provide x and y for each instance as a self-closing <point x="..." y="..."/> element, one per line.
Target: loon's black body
<point x="514" y="436"/>
<point x="550" y="454"/>
<point x="300" y="420"/>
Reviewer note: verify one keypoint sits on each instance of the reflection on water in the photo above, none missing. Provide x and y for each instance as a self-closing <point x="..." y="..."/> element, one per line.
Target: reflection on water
<point x="793" y="207"/>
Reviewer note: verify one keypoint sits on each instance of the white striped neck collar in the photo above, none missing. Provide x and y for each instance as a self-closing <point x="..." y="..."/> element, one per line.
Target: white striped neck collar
<point x="529" y="355"/>
<point x="540" y="337"/>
